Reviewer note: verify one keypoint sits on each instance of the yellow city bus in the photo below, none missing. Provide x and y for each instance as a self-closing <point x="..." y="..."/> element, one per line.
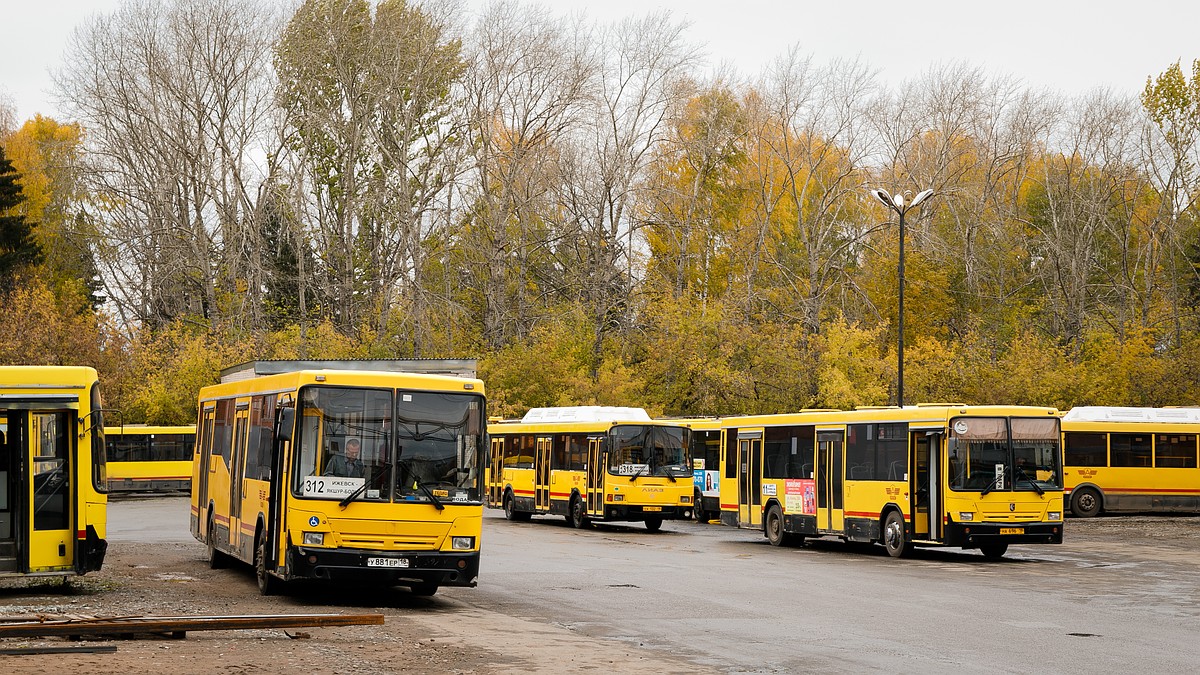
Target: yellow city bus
<point x="343" y="475"/>
<point x="53" y="507"/>
<point x="1131" y="459"/>
<point x="978" y="477"/>
<point x="591" y="463"/>
<point x="145" y="458"/>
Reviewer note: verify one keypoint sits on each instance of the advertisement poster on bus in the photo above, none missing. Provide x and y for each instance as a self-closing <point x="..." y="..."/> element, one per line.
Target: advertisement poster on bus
<point x="706" y="480"/>
<point x="801" y="496"/>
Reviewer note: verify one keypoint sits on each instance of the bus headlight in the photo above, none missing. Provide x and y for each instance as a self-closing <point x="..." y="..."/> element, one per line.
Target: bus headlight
<point x="685" y="500"/>
<point x="1054" y="515"/>
<point x="618" y="498"/>
<point x="966" y="516"/>
<point x="314" y="538"/>
<point x="462" y="543"/>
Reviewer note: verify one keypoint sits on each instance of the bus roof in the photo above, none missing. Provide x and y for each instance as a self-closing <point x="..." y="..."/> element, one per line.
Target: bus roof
<point x="1102" y="413"/>
<point x="250" y="369"/>
<point x="585" y="413"/>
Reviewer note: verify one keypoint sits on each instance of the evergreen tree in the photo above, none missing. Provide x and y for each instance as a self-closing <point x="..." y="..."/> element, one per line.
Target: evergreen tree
<point x="17" y="245"/>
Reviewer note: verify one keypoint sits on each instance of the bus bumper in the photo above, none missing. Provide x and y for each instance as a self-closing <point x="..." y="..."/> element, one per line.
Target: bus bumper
<point x="639" y="513"/>
<point x="974" y="535"/>
<point x="444" y="568"/>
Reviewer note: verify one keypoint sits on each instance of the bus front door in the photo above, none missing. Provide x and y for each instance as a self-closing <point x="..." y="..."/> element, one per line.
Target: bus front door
<point x="919" y="483"/>
<point x="750" y="479"/>
<point x="204" y="444"/>
<point x="541" y="474"/>
<point x="595" y="477"/>
<point x="10" y="499"/>
<point x="45" y="440"/>
<point x="830" y="513"/>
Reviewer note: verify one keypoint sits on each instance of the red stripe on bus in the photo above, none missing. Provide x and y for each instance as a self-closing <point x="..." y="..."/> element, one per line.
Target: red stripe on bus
<point x="82" y="534"/>
<point x="221" y="519"/>
<point x="522" y="492"/>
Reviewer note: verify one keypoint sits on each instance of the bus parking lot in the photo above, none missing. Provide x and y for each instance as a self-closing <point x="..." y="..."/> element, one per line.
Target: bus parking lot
<point x="1120" y="594"/>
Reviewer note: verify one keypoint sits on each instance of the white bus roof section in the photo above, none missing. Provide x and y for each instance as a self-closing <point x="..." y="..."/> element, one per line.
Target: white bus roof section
<point x="586" y="413"/>
<point x="1100" y="413"/>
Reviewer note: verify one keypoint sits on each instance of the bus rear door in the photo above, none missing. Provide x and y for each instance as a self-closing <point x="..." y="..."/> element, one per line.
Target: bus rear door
<point x="595" y="476"/>
<point x="749" y="478"/>
<point x="541" y="474"/>
<point x="830" y="513"/>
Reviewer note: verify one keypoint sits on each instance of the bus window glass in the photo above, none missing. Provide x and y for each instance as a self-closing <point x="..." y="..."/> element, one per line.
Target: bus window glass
<point x="1036" y="453"/>
<point x="574" y="448"/>
<point x="877" y="451"/>
<point x="1175" y="451"/>
<point x="439" y="445"/>
<point x="1130" y="450"/>
<point x="1085" y="448"/>
<point x="788" y="452"/>
<point x="343" y="444"/>
<point x="980" y="445"/>
<point x="648" y="450"/>
<point x="51" y="471"/>
<point x="731" y="453"/>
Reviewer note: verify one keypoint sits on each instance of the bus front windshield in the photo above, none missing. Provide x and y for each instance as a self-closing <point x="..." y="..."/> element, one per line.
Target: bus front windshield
<point x="648" y="450"/>
<point x="996" y="454"/>
<point x="383" y="445"/>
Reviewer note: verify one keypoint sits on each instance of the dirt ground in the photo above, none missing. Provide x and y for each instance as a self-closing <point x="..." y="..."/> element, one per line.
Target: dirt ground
<point x="443" y="634"/>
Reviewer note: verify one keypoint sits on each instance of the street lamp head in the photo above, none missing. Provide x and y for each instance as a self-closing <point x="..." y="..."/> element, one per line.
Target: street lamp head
<point x="898" y="200"/>
<point x="920" y="198"/>
<point x="883" y="197"/>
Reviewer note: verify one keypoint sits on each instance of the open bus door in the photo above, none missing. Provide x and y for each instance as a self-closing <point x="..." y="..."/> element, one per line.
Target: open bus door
<point x="37" y="490"/>
<point x="749" y="478"/>
<point x="925" y="484"/>
<point x="541" y="474"/>
<point x="204" y="444"/>
<point x="830" y="481"/>
<point x="595" y="477"/>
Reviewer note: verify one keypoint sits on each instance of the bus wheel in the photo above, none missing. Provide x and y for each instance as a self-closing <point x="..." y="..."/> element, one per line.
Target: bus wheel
<point x="216" y="559"/>
<point x="579" y="519"/>
<point x="1085" y="502"/>
<point x="653" y="523"/>
<point x="774" y="526"/>
<point x="268" y="584"/>
<point x="894" y="539"/>
<point x="423" y="589"/>
<point x="993" y="551"/>
<point x="698" y="508"/>
<point x="510" y="509"/>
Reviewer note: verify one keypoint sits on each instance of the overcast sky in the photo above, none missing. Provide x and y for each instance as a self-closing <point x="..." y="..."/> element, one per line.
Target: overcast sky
<point x="1069" y="46"/>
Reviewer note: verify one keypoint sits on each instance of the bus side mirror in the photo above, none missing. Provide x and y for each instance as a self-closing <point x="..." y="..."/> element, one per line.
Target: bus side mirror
<point x="285" y="422"/>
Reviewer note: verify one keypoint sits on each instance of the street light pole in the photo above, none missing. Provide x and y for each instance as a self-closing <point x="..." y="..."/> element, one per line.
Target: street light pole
<point x="896" y="203"/>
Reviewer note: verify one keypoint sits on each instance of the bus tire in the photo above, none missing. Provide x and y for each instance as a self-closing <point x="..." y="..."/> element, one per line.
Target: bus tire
<point x="510" y="509"/>
<point x="773" y="526"/>
<point x="895" y="539"/>
<point x="654" y="523"/>
<point x="578" y="517"/>
<point x="268" y="584"/>
<point x="216" y="559"/>
<point x="993" y="551"/>
<point x="423" y="589"/>
<point x="698" y="508"/>
<point x="1085" y="502"/>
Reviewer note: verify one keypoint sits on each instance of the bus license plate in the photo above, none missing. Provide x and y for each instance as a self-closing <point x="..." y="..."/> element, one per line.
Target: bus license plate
<point x="652" y="508"/>
<point x="387" y="562"/>
<point x="1012" y="530"/>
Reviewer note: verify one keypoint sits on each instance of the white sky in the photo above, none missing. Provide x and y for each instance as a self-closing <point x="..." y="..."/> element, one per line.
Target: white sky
<point x="1069" y="46"/>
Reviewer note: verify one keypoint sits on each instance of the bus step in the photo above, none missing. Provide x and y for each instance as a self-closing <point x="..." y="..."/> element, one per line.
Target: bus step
<point x="8" y="564"/>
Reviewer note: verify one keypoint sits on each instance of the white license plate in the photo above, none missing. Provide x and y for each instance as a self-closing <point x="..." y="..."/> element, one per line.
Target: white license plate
<point x="387" y="562"/>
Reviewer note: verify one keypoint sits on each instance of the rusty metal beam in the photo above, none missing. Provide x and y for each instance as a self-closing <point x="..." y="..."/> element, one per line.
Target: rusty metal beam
<point x="177" y="625"/>
<point x="85" y="649"/>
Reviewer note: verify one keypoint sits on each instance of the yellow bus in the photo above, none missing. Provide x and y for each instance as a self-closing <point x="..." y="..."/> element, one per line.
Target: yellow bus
<point x="978" y="477"/>
<point x="342" y="475"/>
<point x="53" y="506"/>
<point x="1131" y="459"/>
<point x="145" y="458"/>
<point x="591" y="463"/>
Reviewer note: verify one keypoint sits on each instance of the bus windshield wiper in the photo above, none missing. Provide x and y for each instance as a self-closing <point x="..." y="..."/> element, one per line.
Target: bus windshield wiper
<point x="1032" y="482"/>
<point x="671" y="474"/>
<point x="423" y="487"/>
<point x="991" y="486"/>
<point x="358" y="491"/>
